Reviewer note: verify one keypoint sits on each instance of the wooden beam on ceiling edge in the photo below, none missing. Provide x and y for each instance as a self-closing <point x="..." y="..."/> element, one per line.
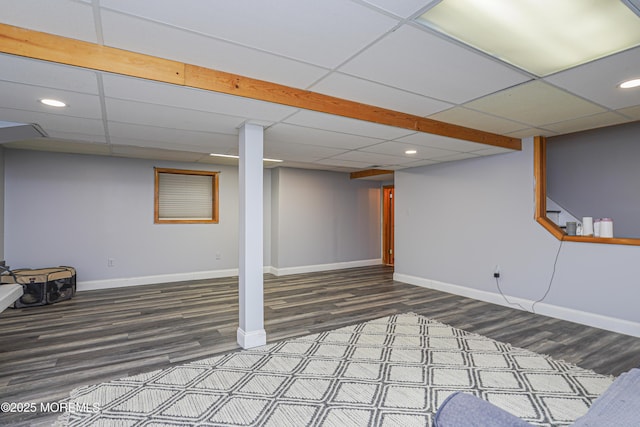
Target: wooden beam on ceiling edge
<point x="62" y="50"/>
<point x="366" y="173"/>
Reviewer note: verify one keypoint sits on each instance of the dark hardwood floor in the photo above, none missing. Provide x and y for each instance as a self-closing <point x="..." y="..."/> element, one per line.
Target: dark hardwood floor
<point x="47" y="351"/>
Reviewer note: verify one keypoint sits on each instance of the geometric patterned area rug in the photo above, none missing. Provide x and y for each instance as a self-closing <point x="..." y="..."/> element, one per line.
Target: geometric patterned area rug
<point x="393" y="371"/>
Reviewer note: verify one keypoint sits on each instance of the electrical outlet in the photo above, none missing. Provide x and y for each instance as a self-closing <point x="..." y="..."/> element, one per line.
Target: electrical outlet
<point x="218" y="256"/>
<point x="111" y="262"/>
<point x="496" y="272"/>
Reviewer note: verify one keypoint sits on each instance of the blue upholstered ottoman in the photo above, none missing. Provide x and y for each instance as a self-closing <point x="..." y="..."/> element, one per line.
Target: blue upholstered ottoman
<point x="618" y="406"/>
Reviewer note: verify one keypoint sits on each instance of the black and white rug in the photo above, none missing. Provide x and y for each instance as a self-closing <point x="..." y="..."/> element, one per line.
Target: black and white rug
<point x="393" y="371"/>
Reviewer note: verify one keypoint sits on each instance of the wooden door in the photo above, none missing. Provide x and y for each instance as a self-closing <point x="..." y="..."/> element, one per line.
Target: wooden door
<point x="387" y="225"/>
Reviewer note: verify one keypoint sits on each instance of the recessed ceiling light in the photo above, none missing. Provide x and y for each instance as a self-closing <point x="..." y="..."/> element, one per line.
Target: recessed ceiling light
<point x="411" y="152"/>
<point x="629" y="84"/>
<point x="540" y="36"/>
<point x="53" y="102"/>
<point x="231" y="156"/>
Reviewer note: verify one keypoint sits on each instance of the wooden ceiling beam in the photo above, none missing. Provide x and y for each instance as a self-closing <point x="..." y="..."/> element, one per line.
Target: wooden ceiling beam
<point x="366" y="173"/>
<point x="62" y="50"/>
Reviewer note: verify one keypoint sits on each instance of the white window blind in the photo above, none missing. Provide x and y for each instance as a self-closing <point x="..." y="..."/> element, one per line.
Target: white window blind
<point x="185" y="197"/>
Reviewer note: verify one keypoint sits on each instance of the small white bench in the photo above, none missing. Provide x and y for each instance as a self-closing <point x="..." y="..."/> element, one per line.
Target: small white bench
<point x="9" y="293"/>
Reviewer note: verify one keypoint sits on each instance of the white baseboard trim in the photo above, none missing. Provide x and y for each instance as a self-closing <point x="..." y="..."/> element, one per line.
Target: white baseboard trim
<point x="91" y="285"/>
<point x="585" y="318"/>
<point x="251" y="339"/>
<point x="284" y="271"/>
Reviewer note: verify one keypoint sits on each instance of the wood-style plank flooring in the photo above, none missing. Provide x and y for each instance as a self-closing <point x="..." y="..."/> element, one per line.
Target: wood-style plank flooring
<point x="47" y="351"/>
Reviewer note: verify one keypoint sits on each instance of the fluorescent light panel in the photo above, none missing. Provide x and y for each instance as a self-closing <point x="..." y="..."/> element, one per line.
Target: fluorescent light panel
<point x="539" y="36"/>
<point x="231" y="156"/>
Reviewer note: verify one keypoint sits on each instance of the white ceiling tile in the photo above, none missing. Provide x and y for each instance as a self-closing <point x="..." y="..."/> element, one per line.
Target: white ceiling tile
<point x="477" y="120"/>
<point x="293" y="134"/>
<point x="402" y="8"/>
<point x="138" y="35"/>
<point x="146" y="91"/>
<point x="367" y="92"/>
<point x="26" y="97"/>
<point x="61" y="146"/>
<point x="170" y="117"/>
<point x="595" y="121"/>
<point x="332" y="161"/>
<point x="333" y="123"/>
<point x="79" y="137"/>
<point x="55" y="122"/>
<point x="373" y="159"/>
<point x="414" y="164"/>
<point x="417" y="61"/>
<point x="529" y="132"/>
<point x="536" y="104"/>
<point x="170" y="138"/>
<point x="39" y="73"/>
<point x="456" y="156"/>
<point x="586" y="80"/>
<point x="632" y="112"/>
<point x="394" y="148"/>
<point x="269" y="26"/>
<point x="442" y="142"/>
<point x="155" y="154"/>
<point x="493" y="150"/>
<point x="297" y="152"/>
<point x="65" y="18"/>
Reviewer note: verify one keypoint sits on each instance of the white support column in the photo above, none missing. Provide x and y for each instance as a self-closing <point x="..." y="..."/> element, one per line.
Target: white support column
<point x="251" y="332"/>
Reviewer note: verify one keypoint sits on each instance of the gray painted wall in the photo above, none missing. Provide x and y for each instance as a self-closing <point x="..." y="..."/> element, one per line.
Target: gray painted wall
<point x="595" y="173"/>
<point x="324" y="217"/>
<point x="456" y="221"/>
<point x="64" y="209"/>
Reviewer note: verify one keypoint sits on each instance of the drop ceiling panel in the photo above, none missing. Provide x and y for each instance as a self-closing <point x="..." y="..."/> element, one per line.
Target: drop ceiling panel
<point x="161" y="137"/>
<point x="297" y="152"/>
<point x="170" y="117"/>
<point x="46" y="74"/>
<point x="442" y="142"/>
<point x="155" y="154"/>
<point x="455" y="157"/>
<point x="597" y="120"/>
<point x="417" y="61"/>
<point x="333" y="123"/>
<point x="493" y="150"/>
<point x="632" y="112"/>
<point x="26" y="97"/>
<point x="78" y="137"/>
<point x="292" y="134"/>
<point x="373" y="159"/>
<point x="269" y="26"/>
<point x="65" y="18"/>
<point x="415" y="164"/>
<point x="617" y="68"/>
<point x="332" y="161"/>
<point x="536" y="104"/>
<point x="61" y="146"/>
<point x="127" y="88"/>
<point x="402" y="8"/>
<point x="477" y="120"/>
<point x="398" y="149"/>
<point x="368" y="92"/>
<point x="55" y="122"/>
<point x="138" y="35"/>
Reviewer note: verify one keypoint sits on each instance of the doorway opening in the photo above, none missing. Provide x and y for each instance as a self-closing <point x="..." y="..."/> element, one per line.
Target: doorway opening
<point x="387" y="225"/>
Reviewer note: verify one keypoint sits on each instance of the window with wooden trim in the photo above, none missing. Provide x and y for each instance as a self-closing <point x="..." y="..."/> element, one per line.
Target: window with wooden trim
<point x="185" y="196"/>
